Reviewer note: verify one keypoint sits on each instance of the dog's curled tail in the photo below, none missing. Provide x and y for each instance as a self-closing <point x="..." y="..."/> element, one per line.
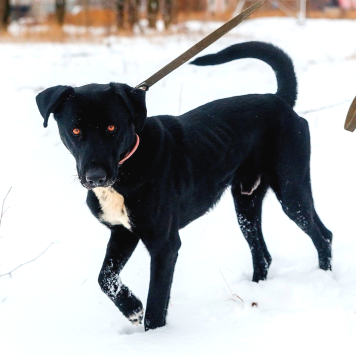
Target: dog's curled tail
<point x="266" y="52"/>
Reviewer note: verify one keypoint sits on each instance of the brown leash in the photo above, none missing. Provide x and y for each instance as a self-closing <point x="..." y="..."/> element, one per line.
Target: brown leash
<point x="350" y="123"/>
<point x="190" y="53"/>
<point x="204" y="43"/>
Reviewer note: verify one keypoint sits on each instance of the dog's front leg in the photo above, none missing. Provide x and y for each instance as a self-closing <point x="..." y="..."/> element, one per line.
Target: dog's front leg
<point x="120" y="248"/>
<point x="163" y="260"/>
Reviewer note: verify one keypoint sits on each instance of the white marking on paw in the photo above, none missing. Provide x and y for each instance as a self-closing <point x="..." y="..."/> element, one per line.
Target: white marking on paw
<point x="255" y="186"/>
<point x="113" y="207"/>
<point x="136" y="317"/>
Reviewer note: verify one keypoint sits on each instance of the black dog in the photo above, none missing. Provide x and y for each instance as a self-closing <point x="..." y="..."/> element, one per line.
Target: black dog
<point x="181" y="168"/>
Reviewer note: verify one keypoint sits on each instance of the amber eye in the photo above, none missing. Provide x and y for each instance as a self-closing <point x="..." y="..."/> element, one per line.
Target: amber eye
<point x="76" y="131"/>
<point x="111" y="128"/>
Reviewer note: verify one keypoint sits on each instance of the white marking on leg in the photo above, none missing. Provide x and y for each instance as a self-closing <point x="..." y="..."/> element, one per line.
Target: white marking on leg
<point x="113" y="208"/>
<point x="255" y="186"/>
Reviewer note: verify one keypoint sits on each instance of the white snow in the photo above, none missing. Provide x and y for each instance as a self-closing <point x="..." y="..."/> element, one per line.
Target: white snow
<point x="54" y="305"/>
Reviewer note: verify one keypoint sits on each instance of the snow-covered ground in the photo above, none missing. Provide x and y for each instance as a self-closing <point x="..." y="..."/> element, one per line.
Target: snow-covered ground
<point x="54" y="306"/>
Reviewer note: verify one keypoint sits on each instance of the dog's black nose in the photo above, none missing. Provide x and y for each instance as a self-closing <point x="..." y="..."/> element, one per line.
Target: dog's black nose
<point x="96" y="177"/>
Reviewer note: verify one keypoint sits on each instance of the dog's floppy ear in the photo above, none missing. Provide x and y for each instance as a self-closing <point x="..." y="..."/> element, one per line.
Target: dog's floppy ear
<point x="50" y="99"/>
<point x="135" y="100"/>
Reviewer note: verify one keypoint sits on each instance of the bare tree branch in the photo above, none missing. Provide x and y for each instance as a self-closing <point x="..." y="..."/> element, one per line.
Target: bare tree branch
<point x="234" y="295"/>
<point x="22" y="264"/>
<point x="2" y="208"/>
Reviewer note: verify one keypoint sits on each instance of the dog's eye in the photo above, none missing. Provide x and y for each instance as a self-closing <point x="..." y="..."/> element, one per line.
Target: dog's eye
<point x="111" y="128"/>
<point x="76" y="131"/>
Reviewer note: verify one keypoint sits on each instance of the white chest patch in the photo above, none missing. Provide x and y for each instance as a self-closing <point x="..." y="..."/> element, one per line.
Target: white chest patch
<point x="112" y="206"/>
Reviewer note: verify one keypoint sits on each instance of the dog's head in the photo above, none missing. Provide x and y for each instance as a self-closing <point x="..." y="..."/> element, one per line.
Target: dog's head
<point x="98" y="124"/>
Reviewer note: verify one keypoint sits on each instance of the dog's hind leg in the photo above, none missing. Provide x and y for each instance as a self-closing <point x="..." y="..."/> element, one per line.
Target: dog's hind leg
<point x="248" y="209"/>
<point x="120" y="248"/>
<point x="324" y="231"/>
<point x="290" y="180"/>
<point x="297" y="203"/>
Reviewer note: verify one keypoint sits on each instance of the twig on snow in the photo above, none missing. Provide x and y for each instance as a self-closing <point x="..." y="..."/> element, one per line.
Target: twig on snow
<point x="22" y="264"/>
<point x="325" y="107"/>
<point x="234" y="295"/>
<point x="2" y="208"/>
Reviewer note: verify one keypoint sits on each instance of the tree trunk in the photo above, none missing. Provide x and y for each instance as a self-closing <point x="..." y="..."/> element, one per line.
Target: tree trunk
<point x="60" y="11"/>
<point x="133" y="13"/>
<point x="152" y="12"/>
<point x="4" y="14"/>
<point x="87" y="20"/>
<point x="120" y="11"/>
<point x="169" y="12"/>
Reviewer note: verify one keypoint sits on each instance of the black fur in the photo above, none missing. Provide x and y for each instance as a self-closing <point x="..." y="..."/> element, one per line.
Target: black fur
<point x="184" y="164"/>
<point x="277" y="59"/>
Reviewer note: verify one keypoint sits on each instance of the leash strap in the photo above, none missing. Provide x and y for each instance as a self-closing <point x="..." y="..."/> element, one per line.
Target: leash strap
<point x="204" y="43"/>
<point x="350" y="123"/>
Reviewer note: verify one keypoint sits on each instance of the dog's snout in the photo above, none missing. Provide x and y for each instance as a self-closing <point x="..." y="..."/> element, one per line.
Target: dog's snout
<point x="96" y="177"/>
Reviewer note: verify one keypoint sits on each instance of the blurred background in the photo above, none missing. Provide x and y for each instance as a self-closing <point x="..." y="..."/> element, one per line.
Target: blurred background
<point x="54" y="305"/>
<point x="87" y="19"/>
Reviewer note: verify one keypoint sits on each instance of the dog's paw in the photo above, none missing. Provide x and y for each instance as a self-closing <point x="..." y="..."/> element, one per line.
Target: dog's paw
<point x="129" y="305"/>
<point x="137" y="316"/>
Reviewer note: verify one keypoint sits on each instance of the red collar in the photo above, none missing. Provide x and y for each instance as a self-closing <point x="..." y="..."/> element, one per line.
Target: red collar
<point x="129" y="154"/>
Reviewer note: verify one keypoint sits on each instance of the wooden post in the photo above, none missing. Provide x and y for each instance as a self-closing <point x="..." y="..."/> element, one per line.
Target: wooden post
<point x="302" y="11"/>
